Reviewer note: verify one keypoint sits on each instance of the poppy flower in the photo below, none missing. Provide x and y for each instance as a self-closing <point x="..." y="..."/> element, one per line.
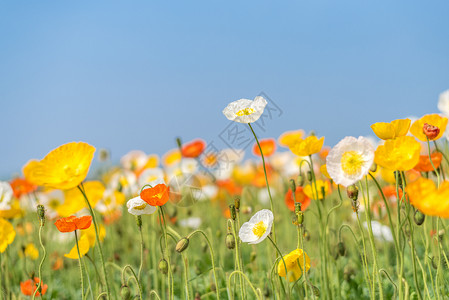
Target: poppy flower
<point x="74" y="200"/>
<point x="7" y="234"/>
<point x="73" y="223"/>
<point x="21" y="186"/>
<point x="294" y="261"/>
<point x="245" y="110"/>
<point x="193" y="149"/>
<point x="268" y="147"/>
<point x="257" y="228"/>
<point x="63" y="168"/>
<point x="424" y="164"/>
<point x="155" y="196"/>
<point x="300" y="197"/>
<point x="400" y="154"/>
<point x="430" y="200"/>
<point x="6" y="195"/>
<point x="136" y="206"/>
<point x="350" y="160"/>
<point x="321" y="185"/>
<point x="29" y="286"/>
<point x="289" y="138"/>
<point x="433" y="120"/>
<point x="171" y="157"/>
<point x="394" y="129"/>
<point x="308" y="146"/>
<point x="87" y="240"/>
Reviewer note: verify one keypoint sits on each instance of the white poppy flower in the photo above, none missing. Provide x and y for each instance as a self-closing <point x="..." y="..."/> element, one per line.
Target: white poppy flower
<point x="380" y="231"/>
<point x="245" y="110"/>
<point x="443" y="103"/>
<point x="6" y="194"/>
<point x="257" y="228"/>
<point x="136" y="206"/>
<point x="150" y="175"/>
<point x="350" y="160"/>
<point x="192" y="222"/>
<point x="134" y="160"/>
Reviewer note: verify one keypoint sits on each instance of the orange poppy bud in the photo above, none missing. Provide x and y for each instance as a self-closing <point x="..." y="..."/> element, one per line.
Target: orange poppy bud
<point x="155" y="196"/>
<point x="29" y="286"/>
<point x="430" y="131"/>
<point x="73" y="223"/>
<point x="193" y="149"/>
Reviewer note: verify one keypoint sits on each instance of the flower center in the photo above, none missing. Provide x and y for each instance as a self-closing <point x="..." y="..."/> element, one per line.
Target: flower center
<point x="351" y="162"/>
<point x="259" y="229"/>
<point x="140" y="207"/>
<point x="245" y="112"/>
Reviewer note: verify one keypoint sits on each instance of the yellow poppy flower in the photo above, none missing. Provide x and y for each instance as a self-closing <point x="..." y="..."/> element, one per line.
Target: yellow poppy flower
<point x="308" y="146"/>
<point x="388" y="175"/>
<point x="63" y="168"/>
<point x="294" y="261"/>
<point x="394" y="129"/>
<point x="7" y="234"/>
<point x="86" y="241"/>
<point x="400" y="154"/>
<point x="74" y="200"/>
<point x="171" y="157"/>
<point x="289" y="138"/>
<point x="425" y="196"/>
<point x="31" y="251"/>
<point x="323" y="170"/>
<point x="309" y="190"/>
<point x="434" y="120"/>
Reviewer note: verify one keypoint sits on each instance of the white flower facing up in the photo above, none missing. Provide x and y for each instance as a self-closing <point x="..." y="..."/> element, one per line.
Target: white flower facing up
<point x="350" y="160"/>
<point x="136" y="206"/>
<point x="245" y="110"/>
<point x="257" y="228"/>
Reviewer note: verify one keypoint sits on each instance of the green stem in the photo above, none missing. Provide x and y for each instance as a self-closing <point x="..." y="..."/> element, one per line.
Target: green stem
<point x="97" y="237"/>
<point x="81" y="266"/>
<point x="285" y="265"/>
<point x="135" y="278"/>
<point x="141" y="253"/>
<point x="42" y="261"/>
<point x="237" y="257"/>
<point x="246" y="278"/>
<point x="431" y="162"/>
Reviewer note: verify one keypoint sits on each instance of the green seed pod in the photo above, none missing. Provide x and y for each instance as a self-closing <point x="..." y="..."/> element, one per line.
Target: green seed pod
<point x="41" y="214"/>
<point x="353" y="192"/>
<point x="125" y="292"/>
<point x="373" y="167"/>
<point x="297" y="207"/>
<point x="163" y="266"/>
<point x="237" y="203"/>
<point x="182" y="244"/>
<point x="139" y="222"/>
<point x="300" y="217"/>
<point x="230" y="241"/>
<point x="341" y="249"/>
<point x="301" y="180"/>
<point x="309" y="176"/>
<point x="316" y="291"/>
<point x="293" y="186"/>
<point x="434" y="262"/>
<point x="232" y="210"/>
<point x="419" y="218"/>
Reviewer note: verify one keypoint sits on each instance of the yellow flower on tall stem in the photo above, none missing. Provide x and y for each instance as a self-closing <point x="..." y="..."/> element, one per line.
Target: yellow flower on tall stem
<point x="7" y="234"/>
<point x="308" y="146"/>
<point x="391" y="130"/>
<point x="289" y="138"/>
<point x="401" y="154"/>
<point x="294" y="261"/>
<point x="433" y="120"/>
<point x="430" y="200"/>
<point x="63" y="168"/>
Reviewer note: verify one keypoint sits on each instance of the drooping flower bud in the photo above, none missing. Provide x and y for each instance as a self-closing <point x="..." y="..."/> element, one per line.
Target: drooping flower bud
<point x="230" y="241"/>
<point x="301" y="180"/>
<point x="182" y="245"/>
<point x="163" y="266"/>
<point x="316" y="291"/>
<point x="237" y="203"/>
<point x="419" y="218"/>
<point x="373" y="167"/>
<point x="232" y="210"/>
<point x="41" y="214"/>
<point x="293" y="186"/>
<point x="125" y="292"/>
<point x="430" y="131"/>
<point x="341" y="249"/>
<point x="309" y="176"/>
<point x="353" y="192"/>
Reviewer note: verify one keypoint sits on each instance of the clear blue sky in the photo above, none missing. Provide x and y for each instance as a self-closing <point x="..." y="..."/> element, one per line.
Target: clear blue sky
<point x="136" y="74"/>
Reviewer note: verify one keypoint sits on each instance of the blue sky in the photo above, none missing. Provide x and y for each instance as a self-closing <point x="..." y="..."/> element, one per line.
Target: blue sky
<point x="129" y="75"/>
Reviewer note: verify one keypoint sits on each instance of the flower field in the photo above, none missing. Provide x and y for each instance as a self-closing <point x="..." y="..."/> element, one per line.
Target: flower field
<point x="364" y="219"/>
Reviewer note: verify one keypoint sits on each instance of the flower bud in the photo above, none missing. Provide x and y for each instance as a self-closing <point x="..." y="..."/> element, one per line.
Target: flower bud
<point x="295" y="220"/>
<point x="197" y="296"/>
<point x="430" y="131"/>
<point x="300" y="217"/>
<point x="237" y="203"/>
<point x="252" y="256"/>
<point x="163" y="266"/>
<point x="41" y="214"/>
<point x="373" y="167"/>
<point x="301" y="180"/>
<point x="323" y="193"/>
<point x="293" y="186"/>
<point x="419" y="217"/>
<point x="353" y="192"/>
<point x="230" y="241"/>
<point x="297" y="207"/>
<point x="341" y="249"/>
<point x="232" y="210"/>
<point x="309" y="175"/>
<point x="316" y="291"/>
<point x="139" y="222"/>
<point x="182" y="244"/>
<point x="434" y="262"/>
<point x="125" y="293"/>
<point x="398" y="177"/>
<point x="178" y="142"/>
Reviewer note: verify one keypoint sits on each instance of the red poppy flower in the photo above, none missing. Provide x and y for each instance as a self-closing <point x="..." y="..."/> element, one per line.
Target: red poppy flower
<point x="21" y="187"/>
<point x="300" y="197"/>
<point x="268" y="147"/>
<point x="28" y="287"/>
<point x="193" y="149"/>
<point x="155" y="196"/>
<point x="73" y="223"/>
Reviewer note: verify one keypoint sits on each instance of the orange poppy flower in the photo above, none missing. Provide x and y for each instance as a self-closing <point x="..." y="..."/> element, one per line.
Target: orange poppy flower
<point x="268" y="147"/>
<point x="229" y="186"/>
<point x="155" y="196"/>
<point x="73" y="223"/>
<point x="21" y="186"/>
<point x="424" y="164"/>
<point x="390" y="192"/>
<point x="193" y="149"/>
<point x="28" y="287"/>
<point x="300" y="197"/>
